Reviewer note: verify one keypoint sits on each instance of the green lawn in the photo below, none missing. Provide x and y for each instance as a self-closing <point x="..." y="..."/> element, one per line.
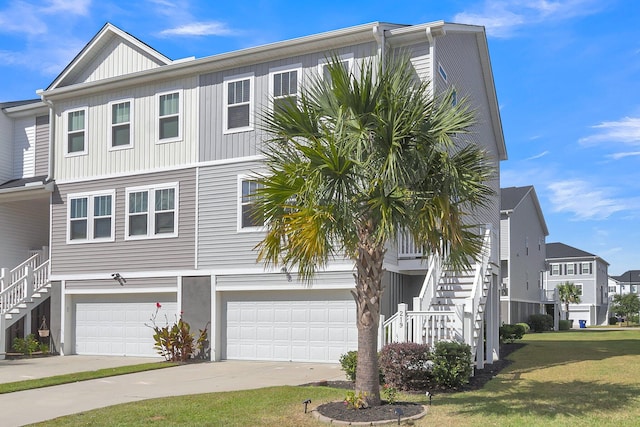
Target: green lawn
<point x="579" y="378"/>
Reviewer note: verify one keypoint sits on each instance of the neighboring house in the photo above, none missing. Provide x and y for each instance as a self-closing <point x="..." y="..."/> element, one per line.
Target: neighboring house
<point x="627" y="282"/>
<point x="589" y="273"/>
<point x="154" y="163"/>
<point x="523" y="231"/>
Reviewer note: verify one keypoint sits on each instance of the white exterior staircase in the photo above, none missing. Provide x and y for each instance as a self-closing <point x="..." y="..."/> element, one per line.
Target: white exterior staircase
<point x="21" y="290"/>
<point x="451" y="306"/>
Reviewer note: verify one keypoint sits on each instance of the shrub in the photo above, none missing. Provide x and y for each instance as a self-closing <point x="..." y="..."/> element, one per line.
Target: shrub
<point x="175" y="342"/>
<point x="26" y="345"/>
<point x="349" y="362"/>
<point x="613" y="320"/>
<point x="406" y="366"/>
<point x="541" y="322"/>
<point x="526" y="327"/>
<point x="510" y="333"/>
<point x="356" y="401"/>
<point x="564" y="325"/>
<point x="452" y="365"/>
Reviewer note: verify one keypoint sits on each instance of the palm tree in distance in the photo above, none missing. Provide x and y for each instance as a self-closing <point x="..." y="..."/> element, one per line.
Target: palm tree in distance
<point x="355" y="160"/>
<point x="568" y="294"/>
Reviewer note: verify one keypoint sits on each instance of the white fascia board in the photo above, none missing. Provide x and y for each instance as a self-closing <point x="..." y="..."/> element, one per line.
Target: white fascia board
<point x="121" y="290"/>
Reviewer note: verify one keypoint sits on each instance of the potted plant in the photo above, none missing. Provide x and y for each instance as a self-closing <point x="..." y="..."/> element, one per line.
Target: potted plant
<point x="43" y="330"/>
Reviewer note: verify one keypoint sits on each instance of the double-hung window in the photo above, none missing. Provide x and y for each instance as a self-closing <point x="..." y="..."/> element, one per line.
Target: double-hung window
<point x="77" y="132"/>
<point x="571" y="268"/>
<point x="238" y="108"/>
<point x="120" y="135"/>
<point x="169" y="116"/>
<point x="555" y="270"/>
<point x="323" y="66"/>
<point x="284" y="84"/>
<point x="152" y="212"/>
<point x="249" y="215"/>
<point x="585" y="268"/>
<point x="90" y="217"/>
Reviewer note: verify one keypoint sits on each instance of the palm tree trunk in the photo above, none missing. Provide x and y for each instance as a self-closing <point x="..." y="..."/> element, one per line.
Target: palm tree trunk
<point x="367" y="294"/>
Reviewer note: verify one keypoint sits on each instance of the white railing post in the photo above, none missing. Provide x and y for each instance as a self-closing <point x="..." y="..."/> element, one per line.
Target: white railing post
<point x="28" y="282"/>
<point x="402" y="322"/>
<point x="381" y="333"/>
<point x="3" y="278"/>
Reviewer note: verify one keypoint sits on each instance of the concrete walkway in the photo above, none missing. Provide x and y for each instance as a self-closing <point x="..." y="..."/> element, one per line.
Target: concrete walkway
<point x="37" y="405"/>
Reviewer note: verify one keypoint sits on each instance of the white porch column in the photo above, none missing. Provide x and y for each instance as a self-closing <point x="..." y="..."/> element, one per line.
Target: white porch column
<point x="402" y="322"/>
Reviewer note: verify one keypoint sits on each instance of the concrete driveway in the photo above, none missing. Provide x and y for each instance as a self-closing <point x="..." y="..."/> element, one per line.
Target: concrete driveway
<point x="37" y="405"/>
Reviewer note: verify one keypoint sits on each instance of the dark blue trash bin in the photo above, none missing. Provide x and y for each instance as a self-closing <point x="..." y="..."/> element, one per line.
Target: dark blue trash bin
<point x="583" y="323"/>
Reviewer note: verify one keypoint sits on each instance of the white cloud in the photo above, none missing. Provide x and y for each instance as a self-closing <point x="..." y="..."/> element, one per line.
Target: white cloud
<point x="618" y="156"/>
<point x="502" y="18"/>
<point x="537" y="156"/>
<point x="626" y="131"/>
<point x="212" y="28"/>
<point x="583" y="200"/>
<point x="76" y="7"/>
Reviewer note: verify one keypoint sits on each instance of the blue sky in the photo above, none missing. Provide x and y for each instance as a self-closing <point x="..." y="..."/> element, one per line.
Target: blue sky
<point x="567" y="75"/>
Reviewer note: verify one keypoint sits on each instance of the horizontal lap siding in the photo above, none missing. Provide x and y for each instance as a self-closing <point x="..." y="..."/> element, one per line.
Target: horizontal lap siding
<point x="24" y="142"/>
<point x="155" y="282"/>
<point x="220" y="244"/>
<point x="6" y="148"/>
<point x="42" y="145"/>
<point x="460" y="56"/>
<point x="126" y="255"/>
<point x="334" y="279"/>
<point x="215" y="144"/>
<point x="24" y="225"/>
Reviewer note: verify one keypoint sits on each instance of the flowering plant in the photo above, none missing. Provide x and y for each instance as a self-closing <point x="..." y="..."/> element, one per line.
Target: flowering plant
<point x="176" y="342"/>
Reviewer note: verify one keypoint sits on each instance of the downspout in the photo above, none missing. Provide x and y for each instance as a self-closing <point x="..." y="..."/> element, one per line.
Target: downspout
<point x="378" y="34"/>
<point x="432" y="54"/>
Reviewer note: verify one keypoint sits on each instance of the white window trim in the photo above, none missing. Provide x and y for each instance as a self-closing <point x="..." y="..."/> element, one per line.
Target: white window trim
<point x="280" y="70"/>
<point x="180" y="114"/>
<point x="225" y="102"/>
<point x="151" y="210"/>
<point x="66" y="133"/>
<point x="90" y="216"/>
<point x="559" y="269"/>
<point x="443" y="73"/>
<point x="348" y="57"/>
<point x="580" y="288"/>
<point x="240" y="228"/>
<point x="110" y="130"/>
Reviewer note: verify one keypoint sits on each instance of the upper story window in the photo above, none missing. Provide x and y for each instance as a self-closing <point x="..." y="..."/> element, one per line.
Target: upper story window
<point x="249" y="217"/>
<point x="284" y="84"/>
<point x="90" y="217"/>
<point x="323" y="66"/>
<point x="77" y="131"/>
<point x="555" y="270"/>
<point x="169" y="119"/>
<point x="579" y="288"/>
<point x="152" y="212"/>
<point x="238" y="108"/>
<point x="120" y="135"/>
<point x="571" y="268"/>
<point x="585" y="268"/>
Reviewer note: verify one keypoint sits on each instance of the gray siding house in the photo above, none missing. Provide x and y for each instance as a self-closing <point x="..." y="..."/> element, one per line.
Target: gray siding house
<point x="588" y="272"/>
<point x="153" y="161"/>
<point x="523" y="233"/>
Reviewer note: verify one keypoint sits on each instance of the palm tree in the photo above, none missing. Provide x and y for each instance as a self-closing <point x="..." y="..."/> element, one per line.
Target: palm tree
<point x="357" y="158"/>
<point x="568" y="293"/>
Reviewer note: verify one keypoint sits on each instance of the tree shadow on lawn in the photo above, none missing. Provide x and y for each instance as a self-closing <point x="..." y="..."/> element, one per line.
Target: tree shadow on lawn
<point x="545" y="399"/>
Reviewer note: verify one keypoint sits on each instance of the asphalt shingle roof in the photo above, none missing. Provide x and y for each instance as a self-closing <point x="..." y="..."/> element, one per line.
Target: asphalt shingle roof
<point x="511" y="196"/>
<point x="560" y="250"/>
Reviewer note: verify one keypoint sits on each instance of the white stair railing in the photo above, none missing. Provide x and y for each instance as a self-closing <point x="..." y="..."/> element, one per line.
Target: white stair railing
<point x="26" y="279"/>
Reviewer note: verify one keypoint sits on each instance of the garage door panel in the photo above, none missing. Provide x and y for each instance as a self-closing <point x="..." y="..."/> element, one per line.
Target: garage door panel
<point x="304" y="326"/>
<point x="109" y="325"/>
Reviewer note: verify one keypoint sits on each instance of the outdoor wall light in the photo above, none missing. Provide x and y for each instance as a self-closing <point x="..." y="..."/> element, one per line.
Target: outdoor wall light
<point x="284" y="270"/>
<point x="305" y="403"/>
<point x="118" y="278"/>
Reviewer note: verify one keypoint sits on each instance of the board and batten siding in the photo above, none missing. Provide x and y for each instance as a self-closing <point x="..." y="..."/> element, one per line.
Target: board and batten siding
<point x="215" y="144"/>
<point x="146" y="154"/>
<point x="220" y="244"/>
<point x="118" y="57"/>
<point x="24" y="141"/>
<point x="6" y="148"/>
<point x="459" y="55"/>
<point x="122" y="255"/>
<point x="42" y="146"/>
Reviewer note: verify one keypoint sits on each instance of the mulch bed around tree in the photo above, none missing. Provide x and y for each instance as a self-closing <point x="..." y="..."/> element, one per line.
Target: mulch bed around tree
<point x="340" y="411"/>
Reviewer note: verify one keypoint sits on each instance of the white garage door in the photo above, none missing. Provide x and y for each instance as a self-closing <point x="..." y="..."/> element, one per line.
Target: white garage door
<point x="116" y="326"/>
<point x="316" y="326"/>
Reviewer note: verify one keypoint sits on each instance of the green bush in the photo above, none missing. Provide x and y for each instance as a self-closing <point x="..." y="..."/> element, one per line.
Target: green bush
<point x="564" y="325"/>
<point x="452" y="364"/>
<point x="26" y="345"/>
<point x="613" y="320"/>
<point x="406" y="366"/>
<point x="510" y="333"/>
<point x="541" y="322"/>
<point x="349" y="362"/>
<point x="526" y="327"/>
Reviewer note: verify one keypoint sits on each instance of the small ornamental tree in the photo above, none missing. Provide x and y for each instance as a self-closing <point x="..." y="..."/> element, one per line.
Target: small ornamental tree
<point x="569" y="293"/>
<point x="625" y="305"/>
<point x="176" y="342"/>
